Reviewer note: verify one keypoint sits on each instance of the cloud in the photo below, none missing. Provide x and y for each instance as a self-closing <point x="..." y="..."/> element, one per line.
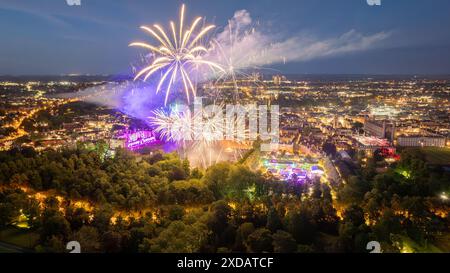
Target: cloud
<point x="32" y="10"/>
<point x="247" y="47"/>
<point x="60" y="13"/>
<point x="306" y="48"/>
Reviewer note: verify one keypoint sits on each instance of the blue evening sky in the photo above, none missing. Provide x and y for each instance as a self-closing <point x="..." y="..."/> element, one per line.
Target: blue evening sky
<point x="51" y="37"/>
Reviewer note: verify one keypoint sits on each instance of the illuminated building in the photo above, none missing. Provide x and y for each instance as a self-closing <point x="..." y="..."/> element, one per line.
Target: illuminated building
<point x="277" y="79"/>
<point x="384" y="111"/>
<point x="421" y="141"/>
<point x="371" y="144"/>
<point x="380" y="129"/>
<point x="256" y="77"/>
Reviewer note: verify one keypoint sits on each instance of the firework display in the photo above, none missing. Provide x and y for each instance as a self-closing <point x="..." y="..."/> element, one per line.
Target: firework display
<point x="201" y="134"/>
<point x="225" y="136"/>
<point x="176" y="57"/>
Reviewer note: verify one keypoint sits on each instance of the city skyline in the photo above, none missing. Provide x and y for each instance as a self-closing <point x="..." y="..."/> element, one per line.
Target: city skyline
<point x="401" y="37"/>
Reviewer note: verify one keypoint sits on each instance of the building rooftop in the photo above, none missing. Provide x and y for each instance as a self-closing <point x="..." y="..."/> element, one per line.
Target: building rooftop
<point x="372" y="141"/>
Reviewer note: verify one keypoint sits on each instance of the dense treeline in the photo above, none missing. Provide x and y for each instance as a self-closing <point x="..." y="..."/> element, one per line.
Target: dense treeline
<point x="406" y="201"/>
<point x="226" y="208"/>
<point x="122" y="181"/>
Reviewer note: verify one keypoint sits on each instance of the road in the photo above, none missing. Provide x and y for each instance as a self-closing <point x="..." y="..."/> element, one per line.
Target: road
<point x="18" y="123"/>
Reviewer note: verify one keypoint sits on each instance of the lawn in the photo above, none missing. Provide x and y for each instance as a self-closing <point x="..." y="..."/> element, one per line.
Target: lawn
<point x="410" y="246"/>
<point x="7" y="250"/>
<point x="19" y="237"/>
<point x="439" y="156"/>
<point x="435" y="155"/>
<point x="443" y="242"/>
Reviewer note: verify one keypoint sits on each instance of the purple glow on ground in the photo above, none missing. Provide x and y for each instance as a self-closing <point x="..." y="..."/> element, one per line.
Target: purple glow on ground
<point x="140" y="139"/>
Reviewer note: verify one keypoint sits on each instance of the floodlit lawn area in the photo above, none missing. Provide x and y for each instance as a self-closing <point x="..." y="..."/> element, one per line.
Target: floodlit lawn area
<point x="438" y="155"/>
<point x="19" y="237"/>
<point x="435" y="155"/>
<point x="7" y="250"/>
<point x="443" y="242"/>
<point x="410" y="246"/>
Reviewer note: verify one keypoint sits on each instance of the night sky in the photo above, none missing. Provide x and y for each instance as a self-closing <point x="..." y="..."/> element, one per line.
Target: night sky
<point x="51" y="37"/>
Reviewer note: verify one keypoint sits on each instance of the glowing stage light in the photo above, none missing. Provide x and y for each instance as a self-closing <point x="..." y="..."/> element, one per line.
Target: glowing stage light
<point x="140" y="139"/>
